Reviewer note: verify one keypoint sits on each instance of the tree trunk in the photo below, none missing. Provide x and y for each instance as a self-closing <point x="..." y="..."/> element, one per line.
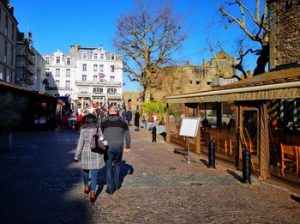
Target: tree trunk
<point x="262" y="60"/>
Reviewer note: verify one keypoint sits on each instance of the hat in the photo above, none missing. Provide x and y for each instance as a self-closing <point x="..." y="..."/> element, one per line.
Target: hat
<point x="90" y="118"/>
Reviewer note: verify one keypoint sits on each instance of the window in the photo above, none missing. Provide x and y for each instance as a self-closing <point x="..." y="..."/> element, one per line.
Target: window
<point x="84" y="55"/>
<point x="95" y="67"/>
<point x="101" y="68"/>
<point x="12" y="32"/>
<point x="84" y="67"/>
<point x="112" y="56"/>
<point x="12" y="55"/>
<point x="83" y="78"/>
<point x="197" y="83"/>
<point x="6" y="26"/>
<point x="68" y="72"/>
<point x="47" y="60"/>
<point x="101" y="56"/>
<point x="57" y="83"/>
<point x="97" y="90"/>
<point x="95" y="55"/>
<point x="68" y="61"/>
<point x="57" y="72"/>
<point x="5" y="52"/>
<point x="95" y="78"/>
<point x="68" y="84"/>
<point x="112" y="90"/>
<point x="112" y="78"/>
<point x="112" y="68"/>
<point x="57" y="60"/>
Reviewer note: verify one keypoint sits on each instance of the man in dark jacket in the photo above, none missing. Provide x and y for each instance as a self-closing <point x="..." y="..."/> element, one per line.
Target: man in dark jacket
<point x="114" y="129"/>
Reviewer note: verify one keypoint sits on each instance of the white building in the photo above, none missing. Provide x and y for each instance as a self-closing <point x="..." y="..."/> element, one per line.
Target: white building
<point x="90" y="76"/>
<point x="30" y="65"/>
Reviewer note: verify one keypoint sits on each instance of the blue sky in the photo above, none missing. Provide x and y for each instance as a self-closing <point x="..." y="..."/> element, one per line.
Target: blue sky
<point x="57" y="24"/>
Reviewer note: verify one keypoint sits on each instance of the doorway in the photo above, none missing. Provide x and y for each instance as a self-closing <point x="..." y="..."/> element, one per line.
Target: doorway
<point x="249" y="133"/>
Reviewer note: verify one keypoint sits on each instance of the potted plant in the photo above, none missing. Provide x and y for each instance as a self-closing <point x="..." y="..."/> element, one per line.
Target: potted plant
<point x="11" y="108"/>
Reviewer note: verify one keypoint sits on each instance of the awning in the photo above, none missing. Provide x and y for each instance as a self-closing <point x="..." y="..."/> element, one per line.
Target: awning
<point x="280" y="84"/>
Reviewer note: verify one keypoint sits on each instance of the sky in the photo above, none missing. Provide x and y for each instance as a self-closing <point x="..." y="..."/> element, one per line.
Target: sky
<point x="57" y="24"/>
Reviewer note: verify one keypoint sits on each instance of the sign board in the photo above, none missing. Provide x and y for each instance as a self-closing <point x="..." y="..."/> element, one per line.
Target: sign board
<point x="189" y="126"/>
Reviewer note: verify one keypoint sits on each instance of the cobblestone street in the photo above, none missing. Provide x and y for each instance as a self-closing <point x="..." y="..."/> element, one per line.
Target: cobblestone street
<point x="40" y="183"/>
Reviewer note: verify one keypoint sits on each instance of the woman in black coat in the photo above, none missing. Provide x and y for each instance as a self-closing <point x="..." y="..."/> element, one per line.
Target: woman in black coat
<point x="137" y="120"/>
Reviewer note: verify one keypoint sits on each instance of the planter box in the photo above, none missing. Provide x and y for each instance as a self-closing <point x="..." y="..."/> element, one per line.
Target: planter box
<point x="5" y="141"/>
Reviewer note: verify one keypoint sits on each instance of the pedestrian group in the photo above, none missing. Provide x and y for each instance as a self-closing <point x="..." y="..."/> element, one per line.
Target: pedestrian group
<point x="114" y="129"/>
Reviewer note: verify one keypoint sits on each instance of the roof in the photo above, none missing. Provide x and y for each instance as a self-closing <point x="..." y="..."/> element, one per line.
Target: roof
<point x="223" y="55"/>
<point x="280" y="84"/>
<point x="5" y="87"/>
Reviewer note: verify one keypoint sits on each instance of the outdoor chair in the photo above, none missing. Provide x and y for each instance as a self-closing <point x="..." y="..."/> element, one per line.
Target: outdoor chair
<point x="288" y="157"/>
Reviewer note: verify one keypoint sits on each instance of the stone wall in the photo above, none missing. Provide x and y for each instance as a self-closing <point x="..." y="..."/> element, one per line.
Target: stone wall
<point x="285" y="32"/>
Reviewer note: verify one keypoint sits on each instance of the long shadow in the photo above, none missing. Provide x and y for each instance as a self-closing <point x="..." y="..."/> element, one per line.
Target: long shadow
<point x="235" y="175"/>
<point x="126" y="169"/>
<point x="39" y="180"/>
<point x="205" y="162"/>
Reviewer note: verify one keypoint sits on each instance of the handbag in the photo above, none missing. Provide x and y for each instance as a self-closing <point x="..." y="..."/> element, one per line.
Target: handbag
<point x="96" y="144"/>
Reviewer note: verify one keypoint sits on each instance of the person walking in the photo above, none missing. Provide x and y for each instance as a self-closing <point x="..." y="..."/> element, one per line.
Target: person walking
<point x="128" y="116"/>
<point x="115" y="130"/>
<point x="137" y="120"/>
<point x="91" y="162"/>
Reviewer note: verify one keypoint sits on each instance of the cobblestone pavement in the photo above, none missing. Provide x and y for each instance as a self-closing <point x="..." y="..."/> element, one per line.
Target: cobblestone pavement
<point x="40" y="183"/>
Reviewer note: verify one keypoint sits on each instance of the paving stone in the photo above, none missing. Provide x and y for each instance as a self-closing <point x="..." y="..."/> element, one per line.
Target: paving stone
<point x="40" y="183"/>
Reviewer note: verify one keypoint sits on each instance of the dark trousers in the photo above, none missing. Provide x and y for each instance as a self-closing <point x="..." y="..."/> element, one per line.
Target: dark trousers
<point x="113" y="167"/>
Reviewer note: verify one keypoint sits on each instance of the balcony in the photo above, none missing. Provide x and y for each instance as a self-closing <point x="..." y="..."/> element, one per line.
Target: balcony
<point x="101" y="83"/>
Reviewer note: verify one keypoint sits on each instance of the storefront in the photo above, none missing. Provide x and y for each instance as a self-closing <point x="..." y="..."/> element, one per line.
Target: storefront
<point x="31" y="110"/>
<point x="260" y="114"/>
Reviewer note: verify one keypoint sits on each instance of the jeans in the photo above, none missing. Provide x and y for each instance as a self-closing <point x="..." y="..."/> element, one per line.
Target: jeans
<point x="94" y="178"/>
<point x="113" y="167"/>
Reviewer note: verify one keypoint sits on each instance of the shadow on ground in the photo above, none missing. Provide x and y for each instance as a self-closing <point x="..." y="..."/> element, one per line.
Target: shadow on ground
<point x="39" y="181"/>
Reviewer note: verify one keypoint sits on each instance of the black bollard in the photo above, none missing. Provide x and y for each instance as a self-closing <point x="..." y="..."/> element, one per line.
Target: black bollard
<point x="246" y="166"/>
<point x="211" y="154"/>
<point x="154" y="134"/>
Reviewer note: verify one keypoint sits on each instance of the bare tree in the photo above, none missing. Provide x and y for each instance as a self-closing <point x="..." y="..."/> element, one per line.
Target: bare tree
<point x="259" y="34"/>
<point x="147" y="38"/>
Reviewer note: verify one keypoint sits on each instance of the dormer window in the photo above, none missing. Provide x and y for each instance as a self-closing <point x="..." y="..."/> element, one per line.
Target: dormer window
<point x="113" y="57"/>
<point x="84" y="55"/>
<point x="112" y="68"/>
<point x="95" y="55"/>
<point x="57" y="60"/>
<point x="101" y="56"/>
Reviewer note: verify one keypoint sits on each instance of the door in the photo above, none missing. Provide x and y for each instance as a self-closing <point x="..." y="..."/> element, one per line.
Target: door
<point x="250" y="133"/>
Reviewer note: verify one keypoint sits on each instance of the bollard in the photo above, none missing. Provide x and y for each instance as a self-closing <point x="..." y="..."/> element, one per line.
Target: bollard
<point x="211" y="154"/>
<point x="154" y="134"/>
<point x="246" y="166"/>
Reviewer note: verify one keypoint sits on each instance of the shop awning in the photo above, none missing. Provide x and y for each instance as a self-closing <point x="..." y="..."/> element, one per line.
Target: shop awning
<point x="280" y="84"/>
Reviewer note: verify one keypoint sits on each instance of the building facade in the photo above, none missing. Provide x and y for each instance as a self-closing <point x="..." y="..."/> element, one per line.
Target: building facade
<point x="189" y="78"/>
<point x="8" y="33"/>
<point x="284" y="33"/>
<point x="89" y="76"/>
<point x="25" y="75"/>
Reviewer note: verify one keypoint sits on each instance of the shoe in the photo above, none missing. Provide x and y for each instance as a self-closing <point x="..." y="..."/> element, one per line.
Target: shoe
<point x="86" y="189"/>
<point x="108" y="191"/>
<point x="92" y="196"/>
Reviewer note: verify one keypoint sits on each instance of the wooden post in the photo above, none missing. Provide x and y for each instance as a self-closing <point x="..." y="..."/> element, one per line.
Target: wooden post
<point x="198" y="137"/>
<point x="264" y="142"/>
<point x="168" y="126"/>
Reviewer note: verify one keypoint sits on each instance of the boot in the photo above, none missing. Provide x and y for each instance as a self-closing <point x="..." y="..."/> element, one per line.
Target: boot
<point x="86" y="189"/>
<point x="92" y="196"/>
